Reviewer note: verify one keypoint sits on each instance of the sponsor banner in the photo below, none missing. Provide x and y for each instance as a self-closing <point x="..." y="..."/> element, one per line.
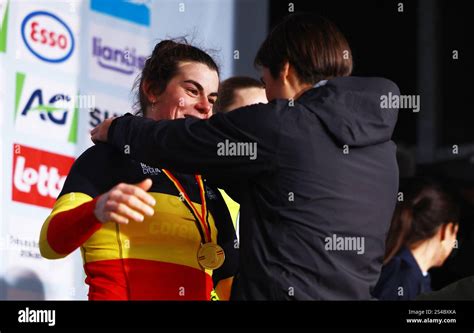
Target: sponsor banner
<point x="47" y="35"/>
<point x="45" y="109"/>
<point x="135" y="11"/>
<point x="106" y="106"/>
<point x="4" y="4"/>
<point x="26" y="273"/>
<point x="38" y="176"/>
<point x="3" y="96"/>
<point x="116" y="61"/>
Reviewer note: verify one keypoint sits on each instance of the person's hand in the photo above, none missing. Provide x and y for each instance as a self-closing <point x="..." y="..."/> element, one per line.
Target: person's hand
<point x="100" y="132"/>
<point x="125" y="202"/>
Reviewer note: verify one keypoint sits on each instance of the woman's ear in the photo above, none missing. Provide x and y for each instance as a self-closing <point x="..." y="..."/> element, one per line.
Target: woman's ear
<point x="286" y="71"/>
<point x="146" y="88"/>
<point x="448" y="231"/>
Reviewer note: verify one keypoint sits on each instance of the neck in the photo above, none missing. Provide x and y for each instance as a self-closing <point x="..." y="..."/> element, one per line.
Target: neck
<point x="423" y="254"/>
<point x="301" y="89"/>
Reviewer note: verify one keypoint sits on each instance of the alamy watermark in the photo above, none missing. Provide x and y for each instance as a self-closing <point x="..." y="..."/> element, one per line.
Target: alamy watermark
<point x="228" y="148"/>
<point x="394" y="101"/>
<point x="28" y="315"/>
<point x="345" y="243"/>
<point x="80" y="101"/>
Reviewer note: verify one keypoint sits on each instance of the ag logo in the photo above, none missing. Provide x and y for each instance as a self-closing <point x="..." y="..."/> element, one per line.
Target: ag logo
<point x="47" y="36"/>
<point x="45" y="109"/>
<point x="57" y="115"/>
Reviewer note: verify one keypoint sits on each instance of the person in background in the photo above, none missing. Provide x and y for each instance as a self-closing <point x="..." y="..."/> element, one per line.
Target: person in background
<point x="21" y="283"/>
<point x="421" y="236"/>
<point x="149" y="232"/>
<point x="234" y="93"/>
<point x="239" y="91"/>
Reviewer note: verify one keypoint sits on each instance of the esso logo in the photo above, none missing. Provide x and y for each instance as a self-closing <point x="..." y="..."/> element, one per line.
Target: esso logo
<point x="47" y="37"/>
<point x="38" y="175"/>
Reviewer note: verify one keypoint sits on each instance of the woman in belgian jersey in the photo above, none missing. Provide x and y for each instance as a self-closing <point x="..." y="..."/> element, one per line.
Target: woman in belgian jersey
<point x="149" y="233"/>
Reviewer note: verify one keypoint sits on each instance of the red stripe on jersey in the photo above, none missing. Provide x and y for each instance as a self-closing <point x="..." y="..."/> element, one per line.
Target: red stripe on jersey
<point x="138" y="279"/>
<point x="70" y="229"/>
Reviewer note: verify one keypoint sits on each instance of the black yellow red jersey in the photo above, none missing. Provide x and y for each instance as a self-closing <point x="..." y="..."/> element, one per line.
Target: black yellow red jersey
<point x="155" y="259"/>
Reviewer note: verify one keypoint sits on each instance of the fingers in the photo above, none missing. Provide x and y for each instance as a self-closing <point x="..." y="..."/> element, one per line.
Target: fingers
<point x="114" y="217"/>
<point x="125" y="202"/>
<point x="133" y="202"/>
<point x="100" y="132"/>
<point x="124" y="211"/>
<point x="145" y="184"/>
<point x="139" y="192"/>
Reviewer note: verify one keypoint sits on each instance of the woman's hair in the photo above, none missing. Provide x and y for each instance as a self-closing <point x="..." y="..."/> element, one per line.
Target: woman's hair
<point x="313" y="45"/>
<point x="227" y="90"/>
<point x="426" y="206"/>
<point x="162" y="66"/>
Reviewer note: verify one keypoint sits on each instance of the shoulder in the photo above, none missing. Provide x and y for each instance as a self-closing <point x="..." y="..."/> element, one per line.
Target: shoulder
<point x="257" y="116"/>
<point x="94" y="171"/>
<point x="355" y="83"/>
<point x="96" y="156"/>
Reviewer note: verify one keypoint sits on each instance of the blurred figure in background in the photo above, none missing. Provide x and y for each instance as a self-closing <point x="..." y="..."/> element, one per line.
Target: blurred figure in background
<point x="421" y="236"/>
<point x="239" y="91"/>
<point x="21" y="284"/>
<point x="234" y="93"/>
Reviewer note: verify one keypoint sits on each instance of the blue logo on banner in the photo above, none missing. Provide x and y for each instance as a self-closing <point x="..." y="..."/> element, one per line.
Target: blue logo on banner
<point x="135" y="11"/>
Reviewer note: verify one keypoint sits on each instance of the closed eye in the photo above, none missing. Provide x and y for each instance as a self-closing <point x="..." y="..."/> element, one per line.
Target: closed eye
<point x="195" y="92"/>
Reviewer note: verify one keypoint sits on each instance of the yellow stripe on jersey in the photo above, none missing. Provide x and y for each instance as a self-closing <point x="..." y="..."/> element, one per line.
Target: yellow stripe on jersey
<point x="232" y="206"/>
<point x="170" y="235"/>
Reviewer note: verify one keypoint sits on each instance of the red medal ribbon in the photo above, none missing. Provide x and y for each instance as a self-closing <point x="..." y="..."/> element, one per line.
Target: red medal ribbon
<point x="201" y="216"/>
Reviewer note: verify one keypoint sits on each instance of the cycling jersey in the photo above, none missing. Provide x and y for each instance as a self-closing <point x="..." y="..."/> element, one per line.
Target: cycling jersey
<point x="155" y="259"/>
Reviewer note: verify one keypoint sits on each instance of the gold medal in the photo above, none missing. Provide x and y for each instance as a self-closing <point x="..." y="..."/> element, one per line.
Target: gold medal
<point x="211" y="256"/>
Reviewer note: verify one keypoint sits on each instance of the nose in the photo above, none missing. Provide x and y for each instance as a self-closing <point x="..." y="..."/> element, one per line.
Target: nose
<point x="204" y="107"/>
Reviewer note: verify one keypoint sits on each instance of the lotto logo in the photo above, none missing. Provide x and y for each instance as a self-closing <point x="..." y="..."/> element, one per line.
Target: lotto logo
<point x="38" y="175"/>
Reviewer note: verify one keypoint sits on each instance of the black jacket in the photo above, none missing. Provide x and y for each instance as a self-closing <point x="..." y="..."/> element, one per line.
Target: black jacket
<point x="325" y="170"/>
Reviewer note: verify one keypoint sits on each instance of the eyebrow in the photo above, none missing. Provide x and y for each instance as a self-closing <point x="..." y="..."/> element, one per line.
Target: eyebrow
<point x="199" y="87"/>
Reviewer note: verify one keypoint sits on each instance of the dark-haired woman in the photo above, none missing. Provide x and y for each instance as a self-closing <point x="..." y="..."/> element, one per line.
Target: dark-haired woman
<point x="147" y="232"/>
<point x="422" y="235"/>
<point x="314" y="170"/>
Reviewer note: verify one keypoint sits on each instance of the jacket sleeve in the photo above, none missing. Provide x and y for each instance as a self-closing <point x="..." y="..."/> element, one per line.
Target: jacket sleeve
<point x="236" y="145"/>
<point x="72" y="220"/>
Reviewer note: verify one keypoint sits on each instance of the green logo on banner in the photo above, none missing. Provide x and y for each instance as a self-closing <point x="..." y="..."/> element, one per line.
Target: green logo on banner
<point x="72" y="138"/>
<point x="3" y="27"/>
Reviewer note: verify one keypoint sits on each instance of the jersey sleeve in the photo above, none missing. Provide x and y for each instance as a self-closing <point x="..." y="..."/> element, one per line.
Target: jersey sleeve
<point x="72" y="220"/>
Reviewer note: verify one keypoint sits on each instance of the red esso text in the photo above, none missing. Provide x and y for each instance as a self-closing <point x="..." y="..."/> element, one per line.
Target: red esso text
<point x="42" y="35"/>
